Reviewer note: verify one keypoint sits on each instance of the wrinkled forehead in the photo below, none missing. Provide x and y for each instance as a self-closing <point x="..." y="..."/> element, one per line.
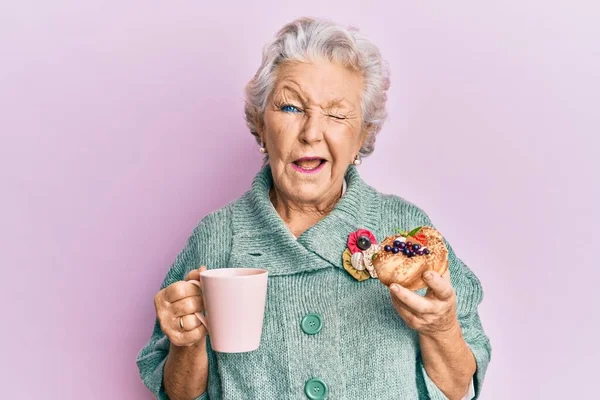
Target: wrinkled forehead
<point x="320" y="83"/>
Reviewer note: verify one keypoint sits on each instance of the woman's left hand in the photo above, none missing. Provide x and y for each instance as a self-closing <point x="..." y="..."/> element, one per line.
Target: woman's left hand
<point x="432" y="314"/>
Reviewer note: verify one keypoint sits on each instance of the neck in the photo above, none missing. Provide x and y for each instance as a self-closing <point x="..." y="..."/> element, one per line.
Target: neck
<point x="301" y="216"/>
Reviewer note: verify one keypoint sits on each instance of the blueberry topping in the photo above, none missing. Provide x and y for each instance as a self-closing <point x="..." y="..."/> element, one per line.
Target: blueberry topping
<point x="397" y="243"/>
<point x="387" y="248"/>
<point x="416" y="246"/>
<point x="409" y="244"/>
<point x="406" y="251"/>
<point x="402" y="245"/>
<point x="426" y="251"/>
<point x="395" y="250"/>
<point x="363" y="242"/>
<point x="420" y="252"/>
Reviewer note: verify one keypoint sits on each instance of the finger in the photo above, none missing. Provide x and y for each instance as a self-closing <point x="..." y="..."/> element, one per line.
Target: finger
<point x="188" y="338"/>
<point x="415" y="302"/>
<point x="439" y="286"/>
<point x="401" y="306"/>
<point x="189" y="305"/>
<point x="198" y="284"/>
<point x="195" y="274"/>
<point x="192" y="275"/>
<point x="180" y="290"/>
<point x="189" y="322"/>
<point x="410" y="318"/>
<point x="197" y="334"/>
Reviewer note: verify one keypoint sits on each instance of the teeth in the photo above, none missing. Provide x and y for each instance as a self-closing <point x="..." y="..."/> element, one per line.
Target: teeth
<point x="306" y="164"/>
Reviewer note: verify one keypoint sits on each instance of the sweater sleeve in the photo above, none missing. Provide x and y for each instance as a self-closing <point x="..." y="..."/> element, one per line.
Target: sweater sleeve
<point x="205" y="246"/>
<point x="153" y="356"/>
<point x="469" y="295"/>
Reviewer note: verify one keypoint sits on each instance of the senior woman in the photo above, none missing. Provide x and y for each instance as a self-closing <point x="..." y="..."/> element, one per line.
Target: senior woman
<point x="315" y="106"/>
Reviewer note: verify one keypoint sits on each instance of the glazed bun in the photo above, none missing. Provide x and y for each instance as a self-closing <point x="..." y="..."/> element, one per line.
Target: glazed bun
<point x="400" y="261"/>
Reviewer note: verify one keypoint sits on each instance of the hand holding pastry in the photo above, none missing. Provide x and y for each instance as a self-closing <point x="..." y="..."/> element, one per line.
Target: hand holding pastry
<point x="433" y="314"/>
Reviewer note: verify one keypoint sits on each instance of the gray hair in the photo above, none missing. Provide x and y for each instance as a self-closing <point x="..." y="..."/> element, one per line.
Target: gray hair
<point x="306" y="39"/>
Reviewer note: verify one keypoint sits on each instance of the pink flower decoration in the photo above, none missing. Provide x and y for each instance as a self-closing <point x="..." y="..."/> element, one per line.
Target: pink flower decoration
<point x="353" y="237"/>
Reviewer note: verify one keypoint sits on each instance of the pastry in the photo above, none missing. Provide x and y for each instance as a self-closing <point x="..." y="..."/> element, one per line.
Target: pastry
<point x="404" y="258"/>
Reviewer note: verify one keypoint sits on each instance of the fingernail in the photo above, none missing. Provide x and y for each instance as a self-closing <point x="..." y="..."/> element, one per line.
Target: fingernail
<point x="395" y="288"/>
<point x="428" y="275"/>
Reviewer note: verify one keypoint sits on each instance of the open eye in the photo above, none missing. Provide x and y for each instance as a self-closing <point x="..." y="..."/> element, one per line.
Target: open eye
<point x="289" y="108"/>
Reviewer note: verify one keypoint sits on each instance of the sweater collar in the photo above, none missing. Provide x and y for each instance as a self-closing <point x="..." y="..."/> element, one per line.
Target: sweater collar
<point x="262" y="238"/>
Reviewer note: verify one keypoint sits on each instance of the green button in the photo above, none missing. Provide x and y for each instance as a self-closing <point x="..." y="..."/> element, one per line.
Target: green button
<point x="311" y="324"/>
<point x="315" y="389"/>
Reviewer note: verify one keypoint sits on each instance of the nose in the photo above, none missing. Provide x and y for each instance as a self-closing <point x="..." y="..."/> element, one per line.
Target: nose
<point x="313" y="128"/>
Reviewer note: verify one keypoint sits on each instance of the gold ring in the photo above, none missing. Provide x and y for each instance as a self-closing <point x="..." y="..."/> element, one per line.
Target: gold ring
<point x="181" y="324"/>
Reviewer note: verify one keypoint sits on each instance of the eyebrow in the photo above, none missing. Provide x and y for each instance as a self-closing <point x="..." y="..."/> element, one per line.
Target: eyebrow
<point x="337" y="102"/>
<point x="333" y="102"/>
<point x="295" y="91"/>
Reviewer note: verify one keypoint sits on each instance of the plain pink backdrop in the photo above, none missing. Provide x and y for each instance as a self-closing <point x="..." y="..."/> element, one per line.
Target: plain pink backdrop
<point x="121" y="126"/>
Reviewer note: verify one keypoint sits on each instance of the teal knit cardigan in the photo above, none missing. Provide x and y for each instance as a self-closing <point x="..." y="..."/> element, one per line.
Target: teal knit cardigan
<point x="364" y="349"/>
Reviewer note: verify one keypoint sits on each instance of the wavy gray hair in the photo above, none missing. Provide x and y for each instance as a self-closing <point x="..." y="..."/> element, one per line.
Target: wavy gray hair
<point x="306" y="39"/>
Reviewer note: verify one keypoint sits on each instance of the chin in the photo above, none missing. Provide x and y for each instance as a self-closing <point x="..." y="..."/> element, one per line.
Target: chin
<point x="309" y="193"/>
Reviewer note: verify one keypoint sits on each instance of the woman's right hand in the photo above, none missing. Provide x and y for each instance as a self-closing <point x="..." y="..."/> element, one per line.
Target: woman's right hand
<point x="175" y="308"/>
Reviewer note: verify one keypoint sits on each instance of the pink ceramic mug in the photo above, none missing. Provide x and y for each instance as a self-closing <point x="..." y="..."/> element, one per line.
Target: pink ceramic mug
<point x="234" y="303"/>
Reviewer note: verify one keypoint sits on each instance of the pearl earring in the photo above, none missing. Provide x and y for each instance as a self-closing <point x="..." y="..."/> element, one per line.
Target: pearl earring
<point x="357" y="161"/>
<point x="262" y="148"/>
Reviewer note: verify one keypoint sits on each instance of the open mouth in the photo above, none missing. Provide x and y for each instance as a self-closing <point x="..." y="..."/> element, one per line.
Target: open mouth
<point x="309" y="165"/>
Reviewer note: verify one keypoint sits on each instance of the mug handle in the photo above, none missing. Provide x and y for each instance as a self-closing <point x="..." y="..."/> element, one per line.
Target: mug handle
<point x="201" y="317"/>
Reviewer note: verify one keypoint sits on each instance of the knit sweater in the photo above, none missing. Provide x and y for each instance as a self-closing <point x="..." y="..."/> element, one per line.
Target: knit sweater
<point x="364" y="349"/>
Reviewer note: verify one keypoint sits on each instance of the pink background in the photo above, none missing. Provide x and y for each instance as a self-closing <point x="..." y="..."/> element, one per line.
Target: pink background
<point x="121" y="126"/>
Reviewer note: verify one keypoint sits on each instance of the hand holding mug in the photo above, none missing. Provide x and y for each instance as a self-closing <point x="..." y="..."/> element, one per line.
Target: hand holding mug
<point x="179" y="309"/>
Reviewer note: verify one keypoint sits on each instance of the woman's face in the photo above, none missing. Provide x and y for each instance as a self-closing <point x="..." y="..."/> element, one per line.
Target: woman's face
<point x="312" y="129"/>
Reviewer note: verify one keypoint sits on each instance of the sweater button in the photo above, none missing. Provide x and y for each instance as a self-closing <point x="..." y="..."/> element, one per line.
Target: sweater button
<point x="315" y="389"/>
<point x="311" y="324"/>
